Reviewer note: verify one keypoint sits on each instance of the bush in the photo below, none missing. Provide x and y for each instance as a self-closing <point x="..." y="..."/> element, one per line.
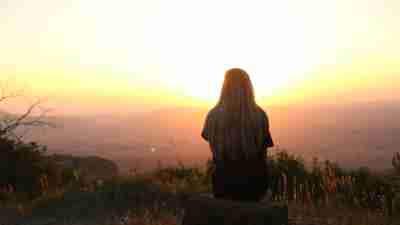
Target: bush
<point x="185" y="178"/>
<point x="25" y="168"/>
<point x="290" y="180"/>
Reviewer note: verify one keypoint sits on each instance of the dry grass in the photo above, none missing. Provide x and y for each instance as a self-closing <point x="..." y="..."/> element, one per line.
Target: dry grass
<point x="299" y="215"/>
<point x="149" y="218"/>
<point x="145" y="202"/>
<point x="333" y="215"/>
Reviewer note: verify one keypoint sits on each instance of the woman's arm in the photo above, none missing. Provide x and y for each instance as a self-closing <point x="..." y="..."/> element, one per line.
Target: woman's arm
<point x="268" y="141"/>
<point x="205" y="132"/>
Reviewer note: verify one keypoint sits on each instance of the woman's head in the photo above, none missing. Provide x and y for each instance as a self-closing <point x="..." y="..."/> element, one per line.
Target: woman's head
<point x="237" y="89"/>
<point x="236" y="125"/>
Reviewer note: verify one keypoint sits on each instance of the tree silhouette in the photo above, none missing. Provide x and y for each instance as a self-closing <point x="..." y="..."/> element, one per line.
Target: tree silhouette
<point x="33" y="116"/>
<point x="22" y="165"/>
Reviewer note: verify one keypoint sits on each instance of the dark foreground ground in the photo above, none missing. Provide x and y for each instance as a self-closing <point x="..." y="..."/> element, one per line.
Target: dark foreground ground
<point x="146" y="202"/>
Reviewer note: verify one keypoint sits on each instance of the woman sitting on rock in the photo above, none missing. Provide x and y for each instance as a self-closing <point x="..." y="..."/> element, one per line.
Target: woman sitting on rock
<point x="238" y="133"/>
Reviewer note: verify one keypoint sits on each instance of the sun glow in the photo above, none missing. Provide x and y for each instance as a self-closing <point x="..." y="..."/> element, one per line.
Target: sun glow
<point x="176" y="52"/>
<point x="199" y="49"/>
<point x="206" y="86"/>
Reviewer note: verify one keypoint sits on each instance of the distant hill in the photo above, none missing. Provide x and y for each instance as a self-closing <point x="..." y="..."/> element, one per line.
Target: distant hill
<point x="93" y="167"/>
<point x="354" y="135"/>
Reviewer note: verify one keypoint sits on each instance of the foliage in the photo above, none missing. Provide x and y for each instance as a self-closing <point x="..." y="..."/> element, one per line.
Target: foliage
<point x="26" y="172"/>
<point x="324" y="183"/>
<point x="90" y="168"/>
<point x="185" y="179"/>
<point x="137" y="198"/>
<point x="23" y="166"/>
<point x="291" y="180"/>
<point x="151" y="199"/>
<point x="145" y="200"/>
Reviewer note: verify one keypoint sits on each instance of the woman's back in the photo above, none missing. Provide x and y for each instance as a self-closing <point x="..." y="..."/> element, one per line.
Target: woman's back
<point x="237" y="139"/>
<point x="237" y="130"/>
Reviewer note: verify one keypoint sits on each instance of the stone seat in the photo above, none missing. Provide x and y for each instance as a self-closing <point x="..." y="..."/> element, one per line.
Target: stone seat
<point x="204" y="210"/>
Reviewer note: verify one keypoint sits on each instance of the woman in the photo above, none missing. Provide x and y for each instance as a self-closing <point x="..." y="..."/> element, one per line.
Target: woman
<point x="237" y="130"/>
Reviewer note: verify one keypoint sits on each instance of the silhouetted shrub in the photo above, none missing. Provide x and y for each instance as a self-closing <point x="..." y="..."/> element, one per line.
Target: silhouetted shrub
<point x="23" y="165"/>
<point x="185" y="178"/>
<point x="291" y="180"/>
<point x="88" y="168"/>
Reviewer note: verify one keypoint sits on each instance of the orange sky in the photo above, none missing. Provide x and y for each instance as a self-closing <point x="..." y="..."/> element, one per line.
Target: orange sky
<point x="89" y="56"/>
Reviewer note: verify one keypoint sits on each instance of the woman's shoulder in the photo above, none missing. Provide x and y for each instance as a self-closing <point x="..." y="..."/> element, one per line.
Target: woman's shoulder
<point x="213" y="112"/>
<point x="262" y="111"/>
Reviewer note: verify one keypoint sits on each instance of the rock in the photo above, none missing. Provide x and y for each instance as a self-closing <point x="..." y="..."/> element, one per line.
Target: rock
<point x="202" y="210"/>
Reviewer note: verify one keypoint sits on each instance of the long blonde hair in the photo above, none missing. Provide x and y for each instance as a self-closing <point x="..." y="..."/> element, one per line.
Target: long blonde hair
<point x="238" y="122"/>
<point x="237" y="92"/>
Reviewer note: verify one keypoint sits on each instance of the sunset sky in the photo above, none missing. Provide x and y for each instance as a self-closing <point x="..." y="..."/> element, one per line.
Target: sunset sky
<point x="96" y="55"/>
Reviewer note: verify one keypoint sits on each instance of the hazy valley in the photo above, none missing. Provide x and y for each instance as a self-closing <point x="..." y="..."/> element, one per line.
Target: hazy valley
<point x="353" y="135"/>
